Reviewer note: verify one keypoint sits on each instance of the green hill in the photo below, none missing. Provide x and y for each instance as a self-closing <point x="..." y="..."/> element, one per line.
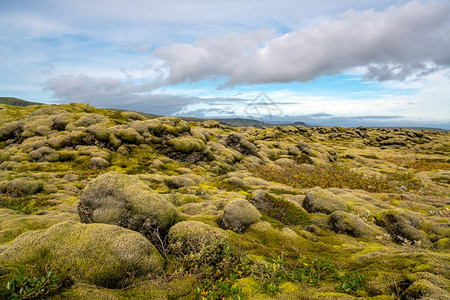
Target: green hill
<point x="17" y="102"/>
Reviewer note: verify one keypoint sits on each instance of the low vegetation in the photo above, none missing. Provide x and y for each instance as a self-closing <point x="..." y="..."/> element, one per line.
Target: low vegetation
<point x="123" y="205"/>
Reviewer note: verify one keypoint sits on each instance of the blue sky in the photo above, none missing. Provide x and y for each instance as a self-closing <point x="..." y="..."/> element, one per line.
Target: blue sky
<point x="345" y="63"/>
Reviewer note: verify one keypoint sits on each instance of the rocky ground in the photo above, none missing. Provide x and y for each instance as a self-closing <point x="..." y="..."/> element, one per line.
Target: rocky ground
<point x="120" y="206"/>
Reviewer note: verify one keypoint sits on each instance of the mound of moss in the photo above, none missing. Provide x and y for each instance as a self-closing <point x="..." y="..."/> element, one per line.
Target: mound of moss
<point x="100" y="254"/>
<point x="124" y="200"/>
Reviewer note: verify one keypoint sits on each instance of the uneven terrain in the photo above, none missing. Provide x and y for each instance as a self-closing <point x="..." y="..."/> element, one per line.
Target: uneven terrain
<point x="120" y="206"/>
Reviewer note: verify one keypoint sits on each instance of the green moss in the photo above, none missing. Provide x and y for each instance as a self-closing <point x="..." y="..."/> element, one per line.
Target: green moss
<point x="443" y="244"/>
<point x="124" y="200"/>
<point x="280" y="209"/>
<point x="100" y="254"/>
<point x="239" y="214"/>
<point x="185" y="236"/>
<point x="320" y="200"/>
<point x="23" y="186"/>
<point x="186" y="144"/>
<point x="13" y="223"/>
<point x="342" y="222"/>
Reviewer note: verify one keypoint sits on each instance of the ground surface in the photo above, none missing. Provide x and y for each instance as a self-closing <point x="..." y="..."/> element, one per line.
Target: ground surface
<point x="120" y="206"/>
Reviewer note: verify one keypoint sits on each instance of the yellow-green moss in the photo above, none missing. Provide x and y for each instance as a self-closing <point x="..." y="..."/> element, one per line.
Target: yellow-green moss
<point x="92" y="253"/>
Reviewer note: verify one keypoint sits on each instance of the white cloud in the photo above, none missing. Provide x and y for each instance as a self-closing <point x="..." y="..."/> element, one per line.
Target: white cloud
<point x="409" y="37"/>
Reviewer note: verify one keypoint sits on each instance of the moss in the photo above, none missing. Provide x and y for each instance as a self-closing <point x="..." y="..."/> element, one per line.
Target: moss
<point x="248" y="286"/>
<point x="130" y="136"/>
<point x="60" y="121"/>
<point x="422" y="288"/>
<point x="187" y="235"/>
<point x="4" y="155"/>
<point x="44" y="154"/>
<point x="182" y="199"/>
<point x="276" y="240"/>
<point x="443" y="244"/>
<point x="75" y="138"/>
<point x="88" y="120"/>
<point x="278" y="208"/>
<point x="134" y="116"/>
<point x="320" y="200"/>
<point x="401" y="224"/>
<point x="124" y="200"/>
<point x="239" y="143"/>
<point x="99" y="132"/>
<point x="99" y="254"/>
<point x="56" y="141"/>
<point x="98" y="162"/>
<point x="176" y="182"/>
<point x="13" y="223"/>
<point x="342" y="222"/>
<point x="186" y="144"/>
<point x="23" y="186"/>
<point x="239" y="214"/>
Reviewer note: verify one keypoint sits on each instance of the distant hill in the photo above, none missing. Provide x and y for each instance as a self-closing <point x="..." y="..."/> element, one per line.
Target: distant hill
<point x="17" y="102"/>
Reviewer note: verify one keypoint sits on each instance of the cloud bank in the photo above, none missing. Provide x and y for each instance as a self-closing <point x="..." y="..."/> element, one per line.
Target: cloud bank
<point x="400" y="42"/>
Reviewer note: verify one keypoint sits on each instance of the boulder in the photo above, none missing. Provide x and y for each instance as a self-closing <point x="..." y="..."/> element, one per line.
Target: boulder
<point x="22" y="186"/>
<point x="239" y="214"/>
<point x="320" y="200"/>
<point x="97" y="254"/>
<point x="346" y="223"/>
<point x="188" y="236"/>
<point x="402" y="225"/>
<point x="285" y="211"/>
<point x="124" y="200"/>
<point x="239" y="143"/>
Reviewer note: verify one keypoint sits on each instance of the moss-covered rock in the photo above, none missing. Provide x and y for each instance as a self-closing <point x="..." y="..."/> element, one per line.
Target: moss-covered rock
<point x="88" y="120"/>
<point x="176" y="182"/>
<point x="44" y="154"/>
<point x="343" y="222"/>
<point x="443" y="244"/>
<point x="4" y="155"/>
<point x="60" y="121"/>
<point x="14" y="223"/>
<point x="402" y="225"/>
<point x="124" y="200"/>
<point x="186" y="144"/>
<point x="239" y="214"/>
<point x="278" y="208"/>
<point x="239" y="143"/>
<point x="99" y="132"/>
<point x="99" y="254"/>
<point x="98" y="162"/>
<point x="320" y="200"/>
<point x="22" y="185"/>
<point x="186" y="236"/>
<point x="11" y="130"/>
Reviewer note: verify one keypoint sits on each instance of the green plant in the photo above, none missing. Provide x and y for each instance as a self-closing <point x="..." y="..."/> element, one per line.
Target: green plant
<point x="216" y="265"/>
<point x="269" y="275"/>
<point x="350" y="283"/>
<point x="28" y="287"/>
<point x="312" y="271"/>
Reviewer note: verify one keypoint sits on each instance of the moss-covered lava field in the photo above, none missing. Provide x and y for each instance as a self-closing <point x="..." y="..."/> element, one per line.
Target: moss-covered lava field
<point x="101" y="204"/>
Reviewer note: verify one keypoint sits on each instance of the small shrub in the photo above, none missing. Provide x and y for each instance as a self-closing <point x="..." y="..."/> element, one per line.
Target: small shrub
<point x="350" y="283"/>
<point x="29" y="287"/>
<point x="312" y="271"/>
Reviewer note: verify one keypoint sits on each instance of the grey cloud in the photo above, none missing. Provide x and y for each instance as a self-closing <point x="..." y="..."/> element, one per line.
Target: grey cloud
<point x="398" y="72"/>
<point x="406" y="37"/>
<point x="320" y="115"/>
<point x="114" y="93"/>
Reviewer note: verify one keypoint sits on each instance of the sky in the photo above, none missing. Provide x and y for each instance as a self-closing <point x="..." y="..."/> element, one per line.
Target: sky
<point x="334" y="63"/>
